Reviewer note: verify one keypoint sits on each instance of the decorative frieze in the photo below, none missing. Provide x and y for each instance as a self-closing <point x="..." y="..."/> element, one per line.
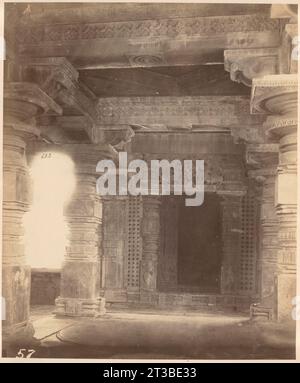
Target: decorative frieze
<point x="177" y="112"/>
<point x="269" y="89"/>
<point x="167" y="28"/>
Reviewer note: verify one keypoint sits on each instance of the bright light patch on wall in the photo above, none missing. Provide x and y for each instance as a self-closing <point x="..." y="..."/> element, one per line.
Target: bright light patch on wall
<point x="46" y="232"/>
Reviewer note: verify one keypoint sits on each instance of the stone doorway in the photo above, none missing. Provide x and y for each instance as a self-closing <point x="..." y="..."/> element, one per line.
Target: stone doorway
<point x="191" y="246"/>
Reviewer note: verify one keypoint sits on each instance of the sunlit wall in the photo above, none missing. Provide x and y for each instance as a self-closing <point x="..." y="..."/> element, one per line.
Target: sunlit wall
<point x="46" y="232"/>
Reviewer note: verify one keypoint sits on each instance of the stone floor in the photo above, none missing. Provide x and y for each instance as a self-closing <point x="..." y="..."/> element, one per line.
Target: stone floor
<point x="164" y="335"/>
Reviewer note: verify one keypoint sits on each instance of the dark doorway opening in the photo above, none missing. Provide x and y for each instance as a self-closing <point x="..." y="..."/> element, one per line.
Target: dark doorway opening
<point x="199" y="246"/>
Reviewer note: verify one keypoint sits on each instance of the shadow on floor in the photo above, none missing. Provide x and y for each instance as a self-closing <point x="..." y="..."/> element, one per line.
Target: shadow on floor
<point x="162" y="336"/>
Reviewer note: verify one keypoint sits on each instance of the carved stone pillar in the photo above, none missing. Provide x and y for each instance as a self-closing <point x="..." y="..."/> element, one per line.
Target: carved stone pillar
<point x="81" y="271"/>
<point x="114" y="248"/>
<point x="262" y="161"/>
<point x="268" y="236"/>
<point x="23" y="101"/>
<point x="150" y="235"/>
<point x="231" y="227"/>
<point x="277" y="96"/>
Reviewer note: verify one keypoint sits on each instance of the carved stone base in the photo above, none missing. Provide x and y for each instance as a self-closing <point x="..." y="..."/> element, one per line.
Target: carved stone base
<point x="150" y="298"/>
<point x="16" y="291"/>
<point x="260" y="311"/>
<point x="115" y="295"/>
<point x="285" y="291"/>
<point x="80" y="307"/>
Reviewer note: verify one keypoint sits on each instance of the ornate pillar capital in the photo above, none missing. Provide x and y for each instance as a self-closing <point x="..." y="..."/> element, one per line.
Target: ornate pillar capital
<point x="275" y="94"/>
<point x="23" y="102"/>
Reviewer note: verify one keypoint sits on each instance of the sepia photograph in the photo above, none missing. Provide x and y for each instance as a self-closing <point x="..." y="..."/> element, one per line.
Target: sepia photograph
<point x="149" y="172"/>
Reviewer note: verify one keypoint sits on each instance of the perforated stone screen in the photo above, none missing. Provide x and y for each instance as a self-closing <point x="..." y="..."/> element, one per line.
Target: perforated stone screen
<point x="248" y="256"/>
<point x="134" y="207"/>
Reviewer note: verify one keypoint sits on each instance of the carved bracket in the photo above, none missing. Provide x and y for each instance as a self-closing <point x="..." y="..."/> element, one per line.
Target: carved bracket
<point x="246" y="64"/>
<point x="59" y="79"/>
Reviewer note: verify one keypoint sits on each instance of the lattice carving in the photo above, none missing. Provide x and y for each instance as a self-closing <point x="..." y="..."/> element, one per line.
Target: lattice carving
<point x="247" y="266"/>
<point x="134" y="241"/>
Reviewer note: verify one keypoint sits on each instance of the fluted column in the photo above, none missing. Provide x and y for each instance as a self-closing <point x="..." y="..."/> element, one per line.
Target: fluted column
<point x="277" y="96"/>
<point x="23" y="101"/>
<point x="150" y="235"/>
<point x="81" y="271"/>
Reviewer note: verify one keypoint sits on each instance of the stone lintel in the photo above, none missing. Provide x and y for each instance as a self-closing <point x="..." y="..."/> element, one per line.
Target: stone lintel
<point x="183" y="112"/>
<point x="147" y="43"/>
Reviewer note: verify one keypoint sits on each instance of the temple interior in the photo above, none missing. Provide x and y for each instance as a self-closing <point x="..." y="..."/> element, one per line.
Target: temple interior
<point x="212" y="82"/>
